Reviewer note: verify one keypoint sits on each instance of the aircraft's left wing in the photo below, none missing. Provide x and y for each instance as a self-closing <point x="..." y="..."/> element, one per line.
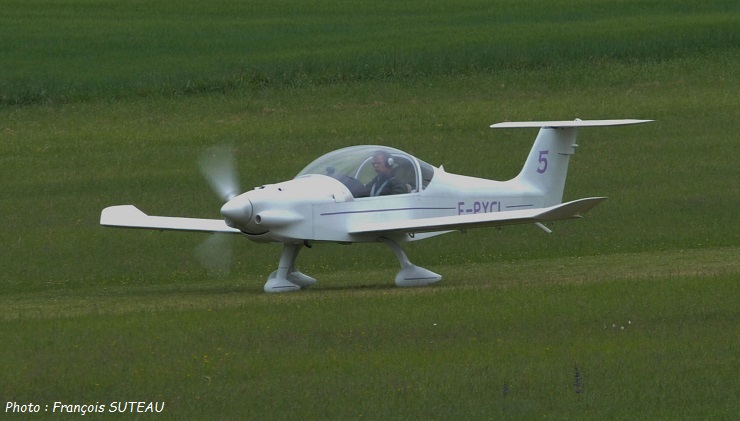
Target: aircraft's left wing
<point x="567" y="210"/>
<point x="129" y="216"/>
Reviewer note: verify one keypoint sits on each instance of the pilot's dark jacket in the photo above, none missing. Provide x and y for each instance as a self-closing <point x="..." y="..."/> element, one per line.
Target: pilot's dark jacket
<point x="381" y="186"/>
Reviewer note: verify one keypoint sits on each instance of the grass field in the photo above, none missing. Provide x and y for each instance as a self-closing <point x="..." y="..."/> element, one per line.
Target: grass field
<point x="629" y="313"/>
<point x="73" y="50"/>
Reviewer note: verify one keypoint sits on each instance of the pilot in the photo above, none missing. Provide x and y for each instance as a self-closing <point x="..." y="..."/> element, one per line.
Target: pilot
<point x="385" y="182"/>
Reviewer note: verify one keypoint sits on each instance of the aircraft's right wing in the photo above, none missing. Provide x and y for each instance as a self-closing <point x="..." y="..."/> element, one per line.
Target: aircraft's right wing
<point x="128" y="216"/>
<point x="567" y="210"/>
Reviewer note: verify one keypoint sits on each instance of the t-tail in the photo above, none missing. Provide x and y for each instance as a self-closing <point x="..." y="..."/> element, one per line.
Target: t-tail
<point x="546" y="167"/>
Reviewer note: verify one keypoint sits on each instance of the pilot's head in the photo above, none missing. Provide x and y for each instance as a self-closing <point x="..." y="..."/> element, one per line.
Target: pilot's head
<point x="382" y="163"/>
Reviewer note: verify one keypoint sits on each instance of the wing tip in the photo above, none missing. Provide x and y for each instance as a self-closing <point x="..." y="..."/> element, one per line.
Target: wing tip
<point x="115" y="215"/>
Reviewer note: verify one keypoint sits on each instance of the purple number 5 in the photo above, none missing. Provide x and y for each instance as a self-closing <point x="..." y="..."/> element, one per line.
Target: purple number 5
<point x="543" y="162"/>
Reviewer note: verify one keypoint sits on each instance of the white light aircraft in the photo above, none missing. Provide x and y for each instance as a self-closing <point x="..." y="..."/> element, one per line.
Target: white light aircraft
<point x="364" y="194"/>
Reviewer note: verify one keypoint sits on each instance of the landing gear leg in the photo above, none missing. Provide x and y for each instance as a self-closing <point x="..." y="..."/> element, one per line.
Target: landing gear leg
<point x="410" y="275"/>
<point x="286" y="277"/>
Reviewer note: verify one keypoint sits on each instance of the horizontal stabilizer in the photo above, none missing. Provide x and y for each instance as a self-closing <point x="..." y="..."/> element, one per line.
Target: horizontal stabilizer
<point x="566" y="123"/>
<point x="568" y="210"/>
<point x="128" y="216"/>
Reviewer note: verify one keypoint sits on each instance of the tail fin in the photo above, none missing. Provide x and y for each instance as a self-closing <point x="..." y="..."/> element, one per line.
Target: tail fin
<point x="546" y="166"/>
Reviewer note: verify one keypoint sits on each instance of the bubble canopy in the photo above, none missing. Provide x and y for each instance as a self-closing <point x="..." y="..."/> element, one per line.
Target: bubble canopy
<point x="353" y="165"/>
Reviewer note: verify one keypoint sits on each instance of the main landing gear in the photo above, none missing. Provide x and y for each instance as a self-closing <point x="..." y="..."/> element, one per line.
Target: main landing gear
<point x="410" y="275"/>
<point x="287" y="278"/>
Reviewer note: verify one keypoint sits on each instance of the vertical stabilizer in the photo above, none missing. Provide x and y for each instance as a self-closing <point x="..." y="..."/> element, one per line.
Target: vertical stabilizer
<point x="546" y="166"/>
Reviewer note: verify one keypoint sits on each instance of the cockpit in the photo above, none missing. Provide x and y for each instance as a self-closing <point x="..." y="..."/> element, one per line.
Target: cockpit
<point x="353" y="166"/>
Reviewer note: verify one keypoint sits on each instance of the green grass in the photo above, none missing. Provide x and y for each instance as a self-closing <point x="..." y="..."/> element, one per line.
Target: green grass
<point x="108" y="104"/>
<point x="657" y="344"/>
<point x="80" y="49"/>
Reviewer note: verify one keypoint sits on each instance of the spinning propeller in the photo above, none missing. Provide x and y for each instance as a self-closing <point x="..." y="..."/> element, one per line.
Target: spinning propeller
<point x="218" y="167"/>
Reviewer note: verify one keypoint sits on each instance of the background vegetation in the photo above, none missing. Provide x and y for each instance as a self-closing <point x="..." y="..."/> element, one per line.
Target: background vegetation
<point x="628" y="313"/>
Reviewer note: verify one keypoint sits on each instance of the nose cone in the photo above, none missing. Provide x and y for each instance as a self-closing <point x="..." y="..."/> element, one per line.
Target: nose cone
<point x="237" y="212"/>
